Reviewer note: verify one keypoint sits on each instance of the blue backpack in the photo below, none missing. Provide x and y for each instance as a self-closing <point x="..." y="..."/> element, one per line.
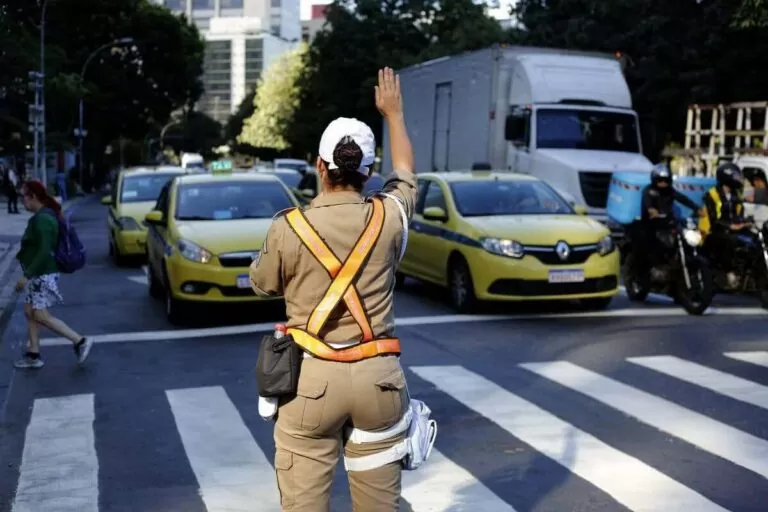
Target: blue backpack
<point x="70" y="252"/>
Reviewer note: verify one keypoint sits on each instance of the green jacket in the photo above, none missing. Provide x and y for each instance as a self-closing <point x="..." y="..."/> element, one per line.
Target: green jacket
<point x="38" y="245"/>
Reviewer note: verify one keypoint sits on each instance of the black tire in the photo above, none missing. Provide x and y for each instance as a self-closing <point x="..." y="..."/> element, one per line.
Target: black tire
<point x="596" y="304"/>
<point x="461" y="286"/>
<point x="175" y="309"/>
<point x="637" y="287"/>
<point x="153" y="285"/>
<point x="399" y="280"/>
<point x="696" y="303"/>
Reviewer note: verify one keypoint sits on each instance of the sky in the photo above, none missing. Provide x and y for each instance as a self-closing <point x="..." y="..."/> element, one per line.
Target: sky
<point x="306" y="8"/>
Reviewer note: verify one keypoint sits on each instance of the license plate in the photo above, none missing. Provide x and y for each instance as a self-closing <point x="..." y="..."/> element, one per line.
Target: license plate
<point x="566" y="276"/>
<point x="243" y="281"/>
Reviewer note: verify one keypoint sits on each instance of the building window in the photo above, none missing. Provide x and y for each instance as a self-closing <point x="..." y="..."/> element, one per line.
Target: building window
<point x="275" y="3"/>
<point x="231" y="4"/>
<point x="203" y="4"/>
<point x="176" y="5"/>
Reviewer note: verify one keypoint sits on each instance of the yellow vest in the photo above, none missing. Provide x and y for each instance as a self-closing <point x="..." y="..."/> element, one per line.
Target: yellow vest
<point x="705" y="224"/>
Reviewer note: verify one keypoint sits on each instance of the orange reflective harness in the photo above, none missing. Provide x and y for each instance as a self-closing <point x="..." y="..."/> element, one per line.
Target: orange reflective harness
<point x="342" y="286"/>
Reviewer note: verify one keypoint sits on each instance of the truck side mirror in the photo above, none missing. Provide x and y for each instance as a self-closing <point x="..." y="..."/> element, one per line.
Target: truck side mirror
<point x="514" y="129"/>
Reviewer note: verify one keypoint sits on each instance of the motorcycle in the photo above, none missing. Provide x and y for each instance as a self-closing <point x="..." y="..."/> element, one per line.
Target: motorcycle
<point x="679" y="270"/>
<point x="750" y="264"/>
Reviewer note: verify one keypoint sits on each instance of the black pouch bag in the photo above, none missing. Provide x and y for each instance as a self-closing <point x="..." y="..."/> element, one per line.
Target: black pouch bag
<point x="277" y="369"/>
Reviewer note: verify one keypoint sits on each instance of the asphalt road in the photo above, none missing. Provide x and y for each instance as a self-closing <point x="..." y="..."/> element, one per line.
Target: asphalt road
<point x="542" y="408"/>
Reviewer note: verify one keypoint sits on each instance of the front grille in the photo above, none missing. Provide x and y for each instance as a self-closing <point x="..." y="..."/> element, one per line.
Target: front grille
<point x="524" y="287"/>
<point x="594" y="188"/>
<point x="237" y="259"/>
<point x="548" y="256"/>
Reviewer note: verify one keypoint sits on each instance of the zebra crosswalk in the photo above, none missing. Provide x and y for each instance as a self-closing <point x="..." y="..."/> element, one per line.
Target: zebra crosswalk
<point x="226" y="448"/>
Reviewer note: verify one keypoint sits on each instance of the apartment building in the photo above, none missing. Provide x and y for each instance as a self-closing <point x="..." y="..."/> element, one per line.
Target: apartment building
<point x="243" y="37"/>
<point x="310" y="27"/>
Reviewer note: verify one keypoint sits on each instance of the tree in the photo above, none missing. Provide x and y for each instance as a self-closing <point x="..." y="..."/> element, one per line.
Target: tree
<point x="235" y="122"/>
<point x="198" y="133"/>
<point x="277" y="97"/>
<point x="365" y="35"/>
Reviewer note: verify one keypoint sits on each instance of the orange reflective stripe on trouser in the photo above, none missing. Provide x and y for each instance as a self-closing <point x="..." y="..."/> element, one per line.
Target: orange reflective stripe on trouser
<point x="327" y="259"/>
<point x="351" y="354"/>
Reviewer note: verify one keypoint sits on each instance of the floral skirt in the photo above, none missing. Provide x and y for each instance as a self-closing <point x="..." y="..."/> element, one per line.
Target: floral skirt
<point x="42" y="292"/>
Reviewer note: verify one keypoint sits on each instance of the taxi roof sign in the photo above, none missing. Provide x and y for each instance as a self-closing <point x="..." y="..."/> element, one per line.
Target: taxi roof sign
<point x="221" y="166"/>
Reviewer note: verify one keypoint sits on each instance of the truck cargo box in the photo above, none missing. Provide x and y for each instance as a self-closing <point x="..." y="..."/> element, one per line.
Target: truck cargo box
<point x="693" y="187"/>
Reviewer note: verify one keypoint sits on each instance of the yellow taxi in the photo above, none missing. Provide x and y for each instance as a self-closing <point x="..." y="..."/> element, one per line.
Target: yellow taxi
<point x="501" y="236"/>
<point x="133" y="195"/>
<point x="205" y="231"/>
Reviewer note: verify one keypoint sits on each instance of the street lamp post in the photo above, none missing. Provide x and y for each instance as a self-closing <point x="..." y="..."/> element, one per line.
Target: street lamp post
<point x="80" y="132"/>
<point x="43" y="160"/>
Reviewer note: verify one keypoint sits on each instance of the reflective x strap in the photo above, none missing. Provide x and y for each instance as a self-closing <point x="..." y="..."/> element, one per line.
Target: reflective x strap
<point x="348" y="272"/>
<point x="351" y="354"/>
<point x="327" y="259"/>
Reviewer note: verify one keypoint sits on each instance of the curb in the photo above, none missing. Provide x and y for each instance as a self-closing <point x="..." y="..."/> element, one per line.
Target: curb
<point x="7" y="312"/>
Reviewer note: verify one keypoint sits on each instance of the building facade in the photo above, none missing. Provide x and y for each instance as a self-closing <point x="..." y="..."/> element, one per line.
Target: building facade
<point x="242" y="38"/>
<point x="316" y="23"/>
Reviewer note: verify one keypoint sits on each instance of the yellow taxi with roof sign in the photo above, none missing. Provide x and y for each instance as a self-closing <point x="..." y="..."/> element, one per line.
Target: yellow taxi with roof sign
<point x="133" y="195"/>
<point x="502" y="236"/>
<point x="204" y="233"/>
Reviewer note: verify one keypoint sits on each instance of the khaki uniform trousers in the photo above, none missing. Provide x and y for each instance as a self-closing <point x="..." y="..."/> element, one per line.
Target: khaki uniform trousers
<point x="370" y="395"/>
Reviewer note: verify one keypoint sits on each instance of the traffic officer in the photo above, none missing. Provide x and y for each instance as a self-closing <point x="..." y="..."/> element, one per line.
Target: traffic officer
<point x="722" y="217"/>
<point x="334" y="262"/>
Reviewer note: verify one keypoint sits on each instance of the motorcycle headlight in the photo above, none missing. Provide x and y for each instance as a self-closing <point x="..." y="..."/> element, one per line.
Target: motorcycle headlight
<point x="503" y="247"/>
<point x="128" y="224"/>
<point x="194" y="252"/>
<point x="605" y="245"/>
<point x="692" y="237"/>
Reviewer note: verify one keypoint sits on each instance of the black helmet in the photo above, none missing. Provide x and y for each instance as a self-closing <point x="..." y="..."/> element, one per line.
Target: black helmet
<point x="729" y="175"/>
<point x="659" y="173"/>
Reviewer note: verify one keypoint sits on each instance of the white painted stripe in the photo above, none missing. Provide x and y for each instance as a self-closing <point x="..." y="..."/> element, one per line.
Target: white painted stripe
<point x="9" y="259"/>
<point x="714" y="380"/>
<point x="59" y="466"/>
<point x="653" y="296"/>
<point x="628" y="480"/>
<point x="145" y="270"/>
<point x="138" y="279"/>
<point x="759" y="358"/>
<point x="697" y="429"/>
<point x="441" y="485"/>
<point x="233" y="473"/>
<point x="180" y="334"/>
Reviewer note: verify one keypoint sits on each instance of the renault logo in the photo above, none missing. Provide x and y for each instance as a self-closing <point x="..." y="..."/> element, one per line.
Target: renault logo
<point x="562" y="250"/>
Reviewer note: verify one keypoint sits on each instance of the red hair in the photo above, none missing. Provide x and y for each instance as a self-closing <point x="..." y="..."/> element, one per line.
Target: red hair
<point x="35" y="188"/>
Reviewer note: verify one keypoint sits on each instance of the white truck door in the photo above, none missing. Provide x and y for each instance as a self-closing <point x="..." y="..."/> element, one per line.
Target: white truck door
<point x="441" y="127"/>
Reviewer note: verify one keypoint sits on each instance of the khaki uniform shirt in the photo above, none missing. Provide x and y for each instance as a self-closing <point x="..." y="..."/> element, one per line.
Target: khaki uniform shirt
<point x="286" y="267"/>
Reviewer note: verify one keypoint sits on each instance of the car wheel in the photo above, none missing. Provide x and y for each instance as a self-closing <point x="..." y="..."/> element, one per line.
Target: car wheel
<point x="462" y="289"/>
<point x="155" y="288"/>
<point x="174" y="308"/>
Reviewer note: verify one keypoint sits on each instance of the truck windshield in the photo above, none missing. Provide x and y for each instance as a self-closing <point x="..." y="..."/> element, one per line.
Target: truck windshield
<point x="586" y="129"/>
<point x="483" y="198"/>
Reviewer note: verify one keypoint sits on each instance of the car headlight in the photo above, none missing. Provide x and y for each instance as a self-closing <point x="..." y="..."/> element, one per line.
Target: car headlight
<point x="194" y="252"/>
<point x="128" y="224"/>
<point x="692" y="237"/>
<point x="503" y="247"/>
<point x="605" y="245"/>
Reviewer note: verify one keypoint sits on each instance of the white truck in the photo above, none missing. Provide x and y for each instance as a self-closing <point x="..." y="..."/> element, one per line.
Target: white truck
<point x="562" y="116"/>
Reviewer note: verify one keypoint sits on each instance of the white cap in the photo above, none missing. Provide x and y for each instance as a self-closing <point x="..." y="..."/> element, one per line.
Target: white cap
<point x="360" y="132"/>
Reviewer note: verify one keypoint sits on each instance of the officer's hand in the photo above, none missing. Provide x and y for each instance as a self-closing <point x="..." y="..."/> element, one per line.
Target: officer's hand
<point x="388" y="99"/>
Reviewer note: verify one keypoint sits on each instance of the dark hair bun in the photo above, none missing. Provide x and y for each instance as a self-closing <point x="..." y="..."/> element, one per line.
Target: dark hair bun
<point x="348" y="155"/>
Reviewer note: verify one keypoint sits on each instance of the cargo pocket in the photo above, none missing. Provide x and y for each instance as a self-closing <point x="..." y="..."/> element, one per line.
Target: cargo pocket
<point x="391" y="397"/>
<point x="283" y="465"/>
<point x="312" y="393"/>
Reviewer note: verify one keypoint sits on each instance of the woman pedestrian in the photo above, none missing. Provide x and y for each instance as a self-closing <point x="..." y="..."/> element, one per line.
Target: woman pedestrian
<point x="342" y="251"/>
<point x="40" y="282"/>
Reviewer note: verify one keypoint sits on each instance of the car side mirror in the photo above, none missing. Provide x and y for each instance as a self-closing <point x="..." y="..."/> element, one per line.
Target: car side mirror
<point x="308" y="193"/>
<point x="435" y="213"/>
<point x="154" y="217"/>
<point x="106" y="200"/>
<point x="580" y="209"/>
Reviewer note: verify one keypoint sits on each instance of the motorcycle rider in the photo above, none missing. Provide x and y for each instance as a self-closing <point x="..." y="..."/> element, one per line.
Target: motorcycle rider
<point x="759" y="193"/>
<point x="722" y="218"/>
<point x="657" y="208"/>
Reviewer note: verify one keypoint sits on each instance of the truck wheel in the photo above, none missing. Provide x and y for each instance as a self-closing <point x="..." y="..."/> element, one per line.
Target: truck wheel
<point x="462" y="289"/>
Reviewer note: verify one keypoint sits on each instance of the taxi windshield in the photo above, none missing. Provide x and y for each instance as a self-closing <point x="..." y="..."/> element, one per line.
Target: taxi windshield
<point x="147" y="187"/>
<point x="497" y="197"/>
<point x="290" y="178"/>
<point x="230" y="200"/>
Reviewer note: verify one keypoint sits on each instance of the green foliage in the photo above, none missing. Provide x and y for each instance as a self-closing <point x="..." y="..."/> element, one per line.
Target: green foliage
<point x="198" y="133"/>
<point x="235" y="122"/>
<point x="277" y="97"/>
<point x="365" y="35"/>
